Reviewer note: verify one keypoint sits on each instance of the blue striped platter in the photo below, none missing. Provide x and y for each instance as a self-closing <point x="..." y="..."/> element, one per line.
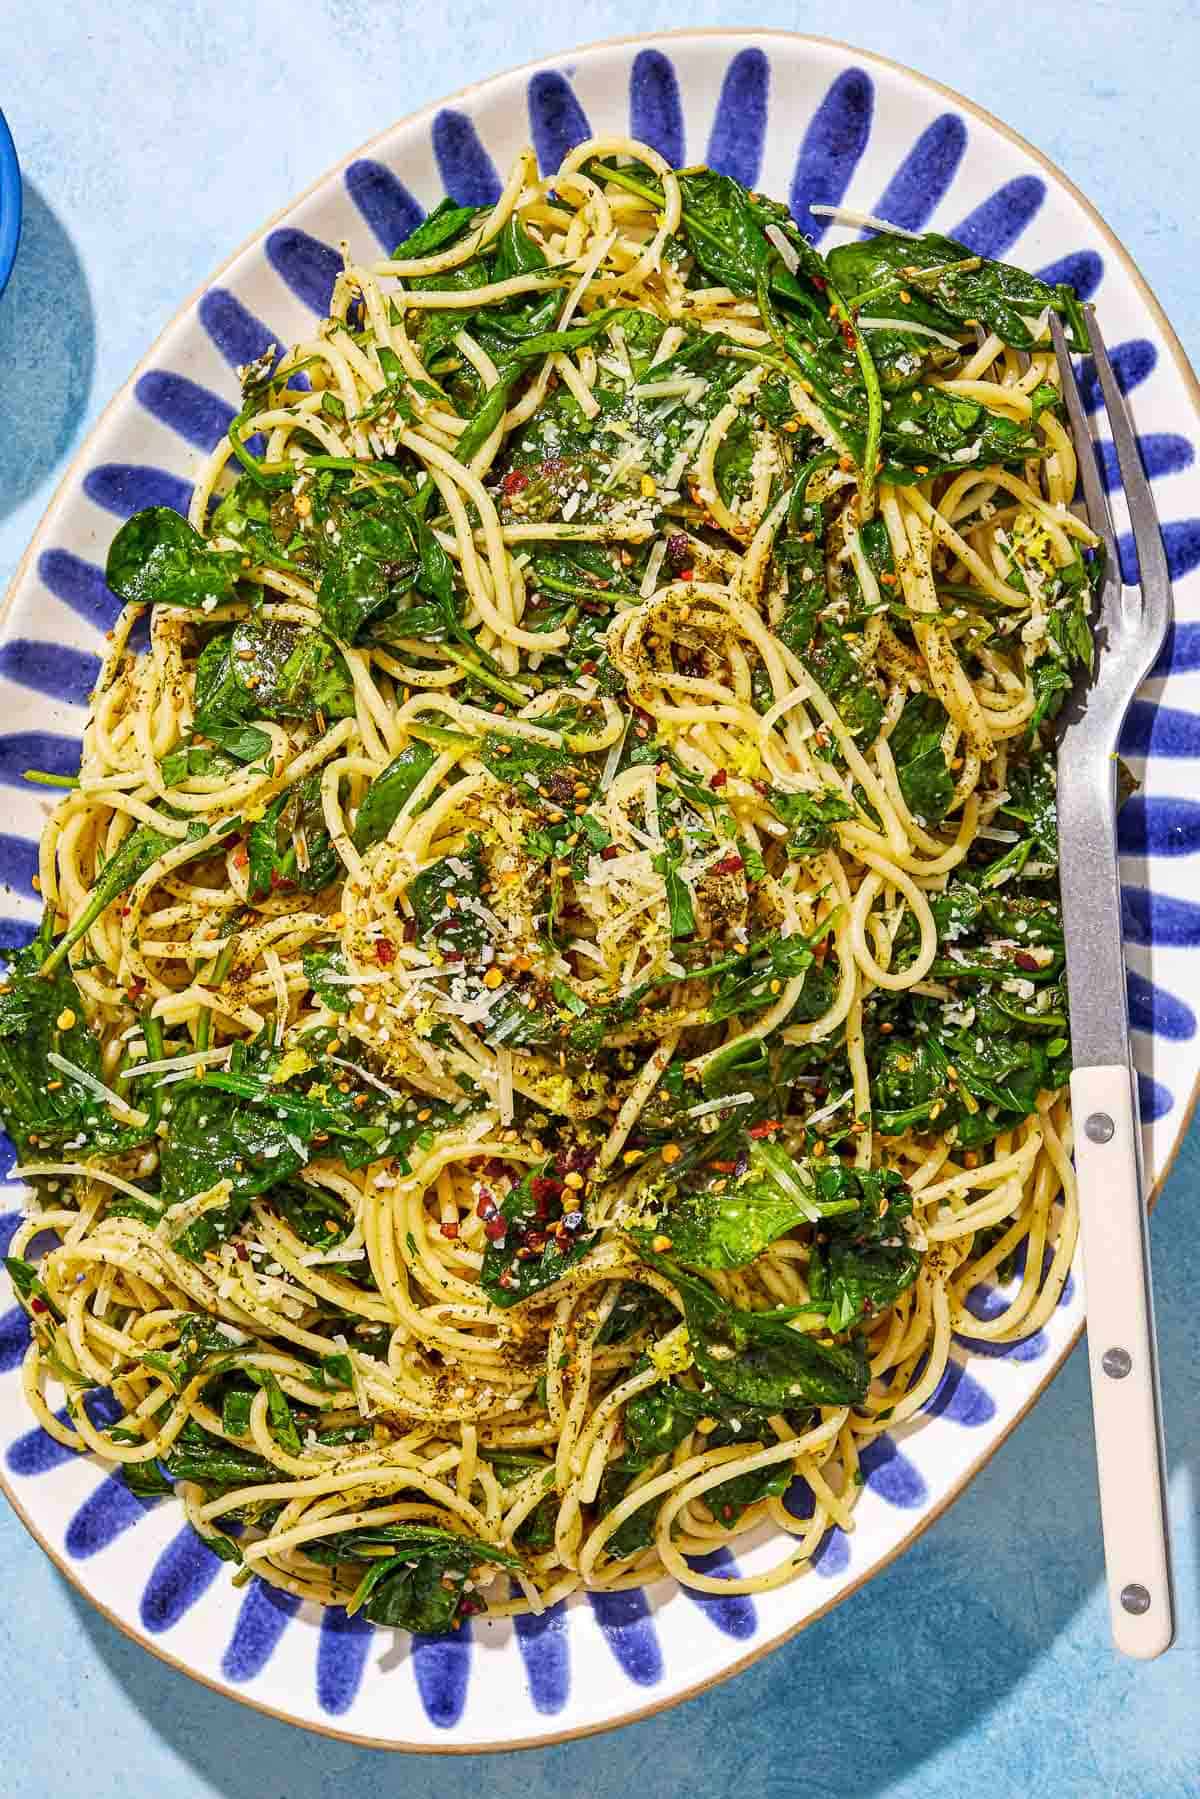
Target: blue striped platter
<point x="806" y="120"/>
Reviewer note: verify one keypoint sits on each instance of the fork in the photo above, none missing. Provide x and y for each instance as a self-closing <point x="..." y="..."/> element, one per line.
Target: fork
<point x="1132" y="624"/>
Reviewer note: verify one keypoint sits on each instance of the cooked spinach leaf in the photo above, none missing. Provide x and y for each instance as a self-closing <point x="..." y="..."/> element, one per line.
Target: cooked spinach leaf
<point x="157" y="559"/>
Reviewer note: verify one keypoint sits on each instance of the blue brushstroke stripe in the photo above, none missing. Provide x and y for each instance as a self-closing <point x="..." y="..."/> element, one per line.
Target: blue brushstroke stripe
<point x="556" y="119"/>
<point x="1157" y="826"/>
<point x="630" y="1634"/>
<point x="1180" y="654"/>
<point x="655" y="109"/>
<point x="994" y="227"/>
<point x="37" y="1452"/>
<point x="1154" y="1100"/>
<point x="50" y="668"/>
<point x="833" y="144"/>
<point x="914" y="192"/>
<point x="237" y="333"/>
<point x="739" y="127"/>
<point x="308" y="266"/>
<point x="961" y="1398"/>
<point x="442" y="1666"/>
<point x="1162" y="453"/>
<point x="732" y="1613"/>
<point x="194" y="412"/>
<point x="265" y="1614"/>
<point x="341" y="1658"/>
<point x="384" y="202"/>
<point x="182" y="1575"/>
<point x="1159" y="1013"/>
<point x="81" y="586"/>
<point x="129" y="487"/>
<point x="14" y="1338"/>
<point x="18" y="862"/>
<point x="1148" y="917"/>
<point x="16" y="933"/>
<point x="468" y="172"/>
<point x="45" y="750"/>
<point x="1154" y="730"/>
<point x="833" y="1553"/>
<point x="103" y="1517"/>
<point x="1082" y="269"/>
<point x="545" y="1650"/>
<point x="1132" y="363"/>
<point x="889" y="1473"/>
<point x="1181" y="541"/>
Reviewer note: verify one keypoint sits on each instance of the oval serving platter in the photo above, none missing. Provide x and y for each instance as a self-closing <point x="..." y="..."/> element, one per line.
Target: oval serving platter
<point x="809" y="121"/>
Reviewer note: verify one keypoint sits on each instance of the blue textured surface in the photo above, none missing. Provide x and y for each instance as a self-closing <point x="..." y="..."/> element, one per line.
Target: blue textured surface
<point x="1017" y="1687"/>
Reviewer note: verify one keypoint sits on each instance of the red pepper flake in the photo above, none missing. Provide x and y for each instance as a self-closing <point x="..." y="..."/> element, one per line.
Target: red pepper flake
<point x="38" y="1305"/>
<point x="724" y="1167"/>
<point x="507" y="1278"/>
<point x="136" y="989"/>
<point x="241" y="856"/>
<point x="514" y="481"/>
<point x="487" y="1205"/>
<point x="385" y="951"/>
<point x="450" y="1230"/>
<point x="1024" y="960"/>
<point x="766" y="1129"/>
<point x="687" y="574"/>
<point x="609" y="851"/>
<point x="819" y="282"/>
<point x="719" y="779"/>
<point x="848" y="334"/>
<point x="243" y="1254"/>
<point x="543" y="1189"/>
<point x="588" y="668"/>
<point x="728" y="865"/>
<point x="496" y="1229"/>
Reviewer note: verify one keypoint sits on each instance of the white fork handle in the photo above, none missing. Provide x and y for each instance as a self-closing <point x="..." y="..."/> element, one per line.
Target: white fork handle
<point x="1121" y="1352"/>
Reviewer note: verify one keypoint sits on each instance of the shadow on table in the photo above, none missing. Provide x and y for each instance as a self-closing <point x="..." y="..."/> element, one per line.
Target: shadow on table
<point x="47" y="352"/>
<point x="851" y="1707"/>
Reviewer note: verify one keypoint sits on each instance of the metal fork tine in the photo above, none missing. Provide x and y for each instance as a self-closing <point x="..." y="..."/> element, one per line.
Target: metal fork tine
<point x="1154" y="576"/>
<point x="1095" y="498"/>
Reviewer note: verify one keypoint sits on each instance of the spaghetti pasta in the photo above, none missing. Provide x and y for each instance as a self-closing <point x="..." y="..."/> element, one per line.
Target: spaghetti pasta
<point x="551" y="991"/>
